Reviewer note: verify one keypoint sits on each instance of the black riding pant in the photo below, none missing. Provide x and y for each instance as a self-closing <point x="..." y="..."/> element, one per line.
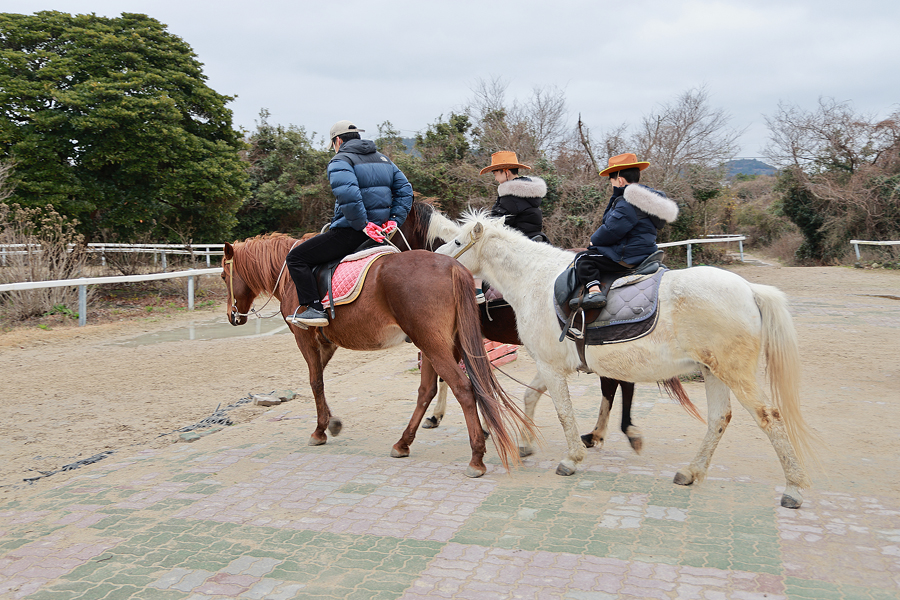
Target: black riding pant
<point x="590" y="267"/>
<point x="326" y="247"/>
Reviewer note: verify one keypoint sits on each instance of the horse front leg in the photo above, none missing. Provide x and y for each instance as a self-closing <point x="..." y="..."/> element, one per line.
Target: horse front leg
<point x="427" y="390"/>
<point x="718" y="417"/>
<point x="608" y="392"/>
<point x="533" y="393"/>
<point x="314" y="356"/>
<point x="559" y="393"/>
<point x="440" y="407"/>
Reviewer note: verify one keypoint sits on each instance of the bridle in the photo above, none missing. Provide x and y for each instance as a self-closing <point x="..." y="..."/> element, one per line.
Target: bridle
<point x="234" y="314"/>
<point x="467" y="246"/>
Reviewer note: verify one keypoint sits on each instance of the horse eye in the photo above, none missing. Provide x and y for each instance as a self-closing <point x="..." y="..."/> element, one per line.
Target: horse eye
<point x="457" y="242"/>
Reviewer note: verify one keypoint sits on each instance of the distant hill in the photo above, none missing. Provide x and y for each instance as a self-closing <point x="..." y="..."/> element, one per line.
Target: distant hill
<point x="748" y="166"/>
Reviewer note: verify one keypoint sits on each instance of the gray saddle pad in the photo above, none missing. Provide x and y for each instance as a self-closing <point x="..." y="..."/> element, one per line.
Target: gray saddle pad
<point x="630" y="311"/>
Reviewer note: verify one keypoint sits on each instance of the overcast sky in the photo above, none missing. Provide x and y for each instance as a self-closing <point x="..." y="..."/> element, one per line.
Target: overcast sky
<point x="311" y="63"/>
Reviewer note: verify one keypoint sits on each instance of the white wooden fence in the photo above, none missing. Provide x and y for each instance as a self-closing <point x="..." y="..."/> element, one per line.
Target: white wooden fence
<point x="856" y="244"/>
<point x="83" y="282"/>
<point x="711" y="239"/>
<point x="159" y="251"/>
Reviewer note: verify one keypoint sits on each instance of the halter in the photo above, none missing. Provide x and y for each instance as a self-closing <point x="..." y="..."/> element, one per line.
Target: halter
<point x="253" y="312"/>
<point x="467" y="246"/>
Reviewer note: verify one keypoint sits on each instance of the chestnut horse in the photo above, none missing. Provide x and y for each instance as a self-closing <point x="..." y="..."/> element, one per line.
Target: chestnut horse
<point x="426" y="228"/>
<point x="422" y="296"/>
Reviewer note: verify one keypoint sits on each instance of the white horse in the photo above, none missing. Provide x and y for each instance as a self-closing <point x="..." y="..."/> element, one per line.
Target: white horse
<point x="709" y="319"/>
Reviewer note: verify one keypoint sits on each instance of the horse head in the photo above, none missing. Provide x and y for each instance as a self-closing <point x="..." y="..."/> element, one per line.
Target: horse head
<point x="240" y="295"/>
<point x="470" y="233"/>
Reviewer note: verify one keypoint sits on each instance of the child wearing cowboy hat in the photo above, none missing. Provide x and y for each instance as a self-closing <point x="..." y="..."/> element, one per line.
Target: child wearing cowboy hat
<point x="627" y="234"/>
<point x="518" y="200"/>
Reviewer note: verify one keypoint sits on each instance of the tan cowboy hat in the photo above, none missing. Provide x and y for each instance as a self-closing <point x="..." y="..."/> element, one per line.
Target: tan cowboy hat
<point x="623" y="161"/>
<point x="504" y="160"/>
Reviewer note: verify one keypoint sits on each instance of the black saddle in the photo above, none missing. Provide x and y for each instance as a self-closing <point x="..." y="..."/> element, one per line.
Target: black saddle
<point x="325" y="271"/>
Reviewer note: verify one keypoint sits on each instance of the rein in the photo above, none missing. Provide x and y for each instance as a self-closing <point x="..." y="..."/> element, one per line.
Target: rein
<point x="253" y="312"/>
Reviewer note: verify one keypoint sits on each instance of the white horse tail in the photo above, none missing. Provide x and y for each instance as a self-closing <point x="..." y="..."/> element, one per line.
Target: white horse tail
<point x="781" y="349"/>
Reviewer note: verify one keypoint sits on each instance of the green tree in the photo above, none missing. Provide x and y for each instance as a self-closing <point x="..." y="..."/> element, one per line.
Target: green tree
<point x="111" y="121"/>
<point x="289" y="189"/>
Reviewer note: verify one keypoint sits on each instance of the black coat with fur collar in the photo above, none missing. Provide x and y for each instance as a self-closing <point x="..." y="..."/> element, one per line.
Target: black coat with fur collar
<point x="520" y="204"/>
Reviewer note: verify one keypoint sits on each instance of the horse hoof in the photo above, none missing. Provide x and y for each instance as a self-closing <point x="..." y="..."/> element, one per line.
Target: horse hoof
<point x="790" y="502"/>
<point x="473" y="472"/>
<point x="564" y="470"/>
<point x="636" y="443"/>
<point x="335" y="425"/>
<point x="525" y="451"/>
<point x="588" y="440"/>
<point x="397" y="453"/>
<point x="683" y="478"/>
<point x="314" y="441"/>
<point x="430" y="423"/>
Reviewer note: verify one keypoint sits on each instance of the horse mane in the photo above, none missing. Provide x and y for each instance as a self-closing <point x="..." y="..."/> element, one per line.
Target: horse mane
<point x="259" y="260"/>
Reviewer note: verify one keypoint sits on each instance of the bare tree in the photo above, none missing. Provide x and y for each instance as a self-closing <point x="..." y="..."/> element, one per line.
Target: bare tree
<point x="531" y="129"/>
<point x="686" y="133"/>
<point x="841" y="175"/>
<point x="831" y="137"/>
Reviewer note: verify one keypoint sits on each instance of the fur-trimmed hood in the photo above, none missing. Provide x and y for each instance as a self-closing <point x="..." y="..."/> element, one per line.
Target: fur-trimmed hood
<point x="523" y="187"/>
<point x="651" y="201"/>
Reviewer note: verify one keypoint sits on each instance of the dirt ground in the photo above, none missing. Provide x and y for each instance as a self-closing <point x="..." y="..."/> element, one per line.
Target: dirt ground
<point x="69" y="393"/>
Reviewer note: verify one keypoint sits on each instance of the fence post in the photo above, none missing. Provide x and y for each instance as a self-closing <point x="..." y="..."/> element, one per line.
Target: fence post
<point x="207" y="258"/>
<point x="741" y="248"/>
<point x="82" y="305"/>
<point x="856" y="247"/>
<point x="191" y="292"/>
<point x="164" y="265"/>
<point x="689" y="255"/>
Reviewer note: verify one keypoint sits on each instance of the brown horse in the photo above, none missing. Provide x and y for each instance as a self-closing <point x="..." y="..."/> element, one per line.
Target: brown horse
<point x="425" y="228"/>
<point x="422" y="296"/>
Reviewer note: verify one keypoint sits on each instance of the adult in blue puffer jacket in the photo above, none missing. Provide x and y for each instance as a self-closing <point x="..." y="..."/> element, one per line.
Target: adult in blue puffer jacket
<point x="368" y="188"/>
<point x="627" y="234"/>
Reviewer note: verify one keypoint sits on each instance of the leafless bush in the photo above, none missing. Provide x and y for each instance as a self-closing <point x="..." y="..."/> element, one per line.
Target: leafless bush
<point x="42" y="245"/>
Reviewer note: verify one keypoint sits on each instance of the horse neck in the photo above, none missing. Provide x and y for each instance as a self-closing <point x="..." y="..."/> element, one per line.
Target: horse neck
<point x="261" y="260"/>
<point x="517" y="266"/>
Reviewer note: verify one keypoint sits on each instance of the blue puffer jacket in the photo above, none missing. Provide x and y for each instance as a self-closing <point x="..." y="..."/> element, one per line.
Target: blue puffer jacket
<point x="630" y="222"/>
<point x="367" y="187"/>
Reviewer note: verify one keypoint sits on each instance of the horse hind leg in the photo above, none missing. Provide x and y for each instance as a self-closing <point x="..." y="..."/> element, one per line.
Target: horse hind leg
<point x="630" y="430"/>
<point x="598" y="435"/>
<point x="769" y="419"/>
<point x="718" y="417"/>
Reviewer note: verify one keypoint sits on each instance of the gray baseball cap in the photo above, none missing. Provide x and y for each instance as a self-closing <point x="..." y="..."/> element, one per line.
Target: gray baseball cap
<point x="343" y="127"/>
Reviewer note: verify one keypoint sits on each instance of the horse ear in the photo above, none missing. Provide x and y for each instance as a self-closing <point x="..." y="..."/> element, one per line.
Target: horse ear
<point x="478" y="230"/>
<point x="229" y="250"/>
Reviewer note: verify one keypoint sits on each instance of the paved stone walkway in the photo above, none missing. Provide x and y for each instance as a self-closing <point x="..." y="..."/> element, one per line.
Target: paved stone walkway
<point x="252" y="512"/>
<point x="215" y="520"/>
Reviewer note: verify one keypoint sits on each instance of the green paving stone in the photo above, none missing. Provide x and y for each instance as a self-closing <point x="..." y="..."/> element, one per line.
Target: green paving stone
<point x="874" y="594"/>
<point x="811" y="588"/>
<point x="113" y="522"/>
<point x="125" y="592"/>
<point x="202" y="488"/>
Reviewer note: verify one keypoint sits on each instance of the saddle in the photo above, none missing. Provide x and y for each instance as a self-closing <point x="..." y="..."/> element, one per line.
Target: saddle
<point x="340" y="281"/>
<point x="630" y="312"/>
